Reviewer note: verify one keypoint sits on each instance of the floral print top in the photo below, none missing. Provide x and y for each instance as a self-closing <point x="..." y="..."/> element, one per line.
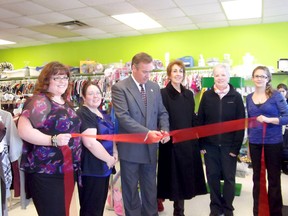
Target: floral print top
<point x="50" y="118"/>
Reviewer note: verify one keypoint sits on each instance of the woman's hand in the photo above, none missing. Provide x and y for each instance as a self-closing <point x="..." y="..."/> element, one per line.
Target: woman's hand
<point x="262" y="119"/>
<point x="63" y="139"/>
<point x="271" y="120"/>
<point x="111" y="162"/>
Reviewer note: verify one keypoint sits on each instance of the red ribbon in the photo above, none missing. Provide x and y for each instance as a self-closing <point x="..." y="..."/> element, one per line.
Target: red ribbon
<point x="263" y="206"/>
<point x="182" y="134"/>
<point x="68" y="176"/>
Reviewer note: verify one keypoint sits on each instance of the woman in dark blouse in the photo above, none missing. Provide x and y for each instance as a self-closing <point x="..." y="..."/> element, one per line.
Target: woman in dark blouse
<point x="98" y="157"/>
<point x="180" y="171"/>
<point x="50" y="157"/>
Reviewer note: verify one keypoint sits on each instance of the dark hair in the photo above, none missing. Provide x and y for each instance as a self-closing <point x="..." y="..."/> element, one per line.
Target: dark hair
<point x="175" y="62"/>
<point x="86" y="85"/>
<point x="141" y="57"/>
<point x="269" y="90"/>
<point x="49" y="70"/>
<point x="282" y="85"/>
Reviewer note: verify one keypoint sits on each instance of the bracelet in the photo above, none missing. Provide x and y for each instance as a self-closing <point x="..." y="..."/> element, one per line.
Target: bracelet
<point x="54" y="141"/>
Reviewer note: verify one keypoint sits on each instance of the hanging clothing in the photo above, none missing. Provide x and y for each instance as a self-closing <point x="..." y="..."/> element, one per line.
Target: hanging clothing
<point x="10" y="151"/>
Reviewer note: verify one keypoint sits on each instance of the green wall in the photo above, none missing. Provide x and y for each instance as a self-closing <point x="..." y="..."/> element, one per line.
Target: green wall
<point x="266" y="42"/>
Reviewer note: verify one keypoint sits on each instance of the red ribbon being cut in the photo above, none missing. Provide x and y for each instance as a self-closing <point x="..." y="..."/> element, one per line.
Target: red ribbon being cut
<point x="182" y="134"/>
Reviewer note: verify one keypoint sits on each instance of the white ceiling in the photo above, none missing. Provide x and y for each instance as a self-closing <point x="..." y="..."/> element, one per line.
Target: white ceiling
<point x="33" y="22"/>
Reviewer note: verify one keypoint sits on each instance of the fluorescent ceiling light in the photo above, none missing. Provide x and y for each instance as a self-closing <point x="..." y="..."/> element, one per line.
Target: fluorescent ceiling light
<point x="137" y="21"/>
<point x="4" y="42"/>
<point x="242" y="9"/>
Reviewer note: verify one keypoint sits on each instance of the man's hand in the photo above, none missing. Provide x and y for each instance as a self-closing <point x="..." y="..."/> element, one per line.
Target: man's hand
<point x="153" y="136"/>
<point x="165" y="137"/>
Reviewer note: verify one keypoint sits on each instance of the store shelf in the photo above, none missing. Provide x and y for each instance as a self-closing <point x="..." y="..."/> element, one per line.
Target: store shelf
<point x="280" y="73"/>
<point x="237" y="82"/>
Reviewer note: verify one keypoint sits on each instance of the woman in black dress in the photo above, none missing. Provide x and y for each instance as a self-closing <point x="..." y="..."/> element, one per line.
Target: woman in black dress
<point x="180" y="170"/>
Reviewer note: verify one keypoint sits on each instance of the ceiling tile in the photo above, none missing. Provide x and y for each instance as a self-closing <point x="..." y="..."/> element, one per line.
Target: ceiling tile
<point x="175" y="21"/>
<point x="116" y="28"/>
<point x="168" y="13"/>
<point x="116" y="8"/>
<point x="25" y="8"/>
<point x="18" y="31"/>
<point x="40" y="36"/>
<point x="218" y="24"/>
<point x="208" y="17"/>
<point x="183" y="27"/>
<point x="153" y="5"/>
<point x="23" y="21"/>
<point x="275" y="11"/>
<point x="101" y="21"/>
<point x="58" y="5"/>
<point x="100" y="2"/>
<point x="8" y="14"/>
<point x="81" y="38"/>
<point x="53" y="17"/>
<point x="18" y="39"/>
<point x="275" y="19"/>
<point x="127" y="33"/>
<point x="4" y="26"/>
<point x="154" y="31"/>
<point x="88" y="31"/>
<point x="83" y="13"/>
<point x="184" y="3"/>
<point x="101" y="36"/>
<point x="202" y="9"/>
<point x="245" y="22"/>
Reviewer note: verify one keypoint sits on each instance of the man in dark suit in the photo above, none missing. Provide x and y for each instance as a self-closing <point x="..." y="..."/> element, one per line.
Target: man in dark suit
<point x="140" y="112"/>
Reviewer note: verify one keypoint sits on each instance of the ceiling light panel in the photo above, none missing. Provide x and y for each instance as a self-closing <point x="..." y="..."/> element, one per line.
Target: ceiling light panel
<point x="137" y="21"/>
<point x="242" y="9"/>
<point x="5" y="42"/>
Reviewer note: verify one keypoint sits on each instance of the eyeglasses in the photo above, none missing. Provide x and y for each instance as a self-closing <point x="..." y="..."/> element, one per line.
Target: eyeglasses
<point x="58" y="79"/>
<point x="260" y="77"/>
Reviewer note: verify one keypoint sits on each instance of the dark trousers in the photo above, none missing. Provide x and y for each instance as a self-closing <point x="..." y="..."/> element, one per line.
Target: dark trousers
<point x="220" y="165"/>
<point x="93" y="195"/>
<point x="273" y="154"/>
<point x="133" y="175"/>
<point x="47" y="192"/>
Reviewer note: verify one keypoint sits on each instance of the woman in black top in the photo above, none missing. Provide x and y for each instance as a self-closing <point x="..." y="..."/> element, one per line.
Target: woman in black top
<point x="180" y="171"/>
<point x="98" y="157"/>
<point x="219" y="104"/>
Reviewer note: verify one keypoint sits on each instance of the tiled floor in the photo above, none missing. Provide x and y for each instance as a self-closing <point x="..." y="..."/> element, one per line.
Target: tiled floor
<point x="198" y="206"/>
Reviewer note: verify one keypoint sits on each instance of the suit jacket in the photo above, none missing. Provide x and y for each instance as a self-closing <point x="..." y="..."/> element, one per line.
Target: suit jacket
<point x="133" y="118"/>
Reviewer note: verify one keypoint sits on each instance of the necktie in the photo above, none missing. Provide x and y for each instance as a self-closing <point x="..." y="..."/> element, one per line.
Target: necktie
<point x="143" y="95"/>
